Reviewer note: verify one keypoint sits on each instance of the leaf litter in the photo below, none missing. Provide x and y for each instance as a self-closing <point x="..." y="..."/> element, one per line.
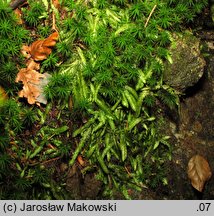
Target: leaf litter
<point x="33" y="81"/>
<point x="199" y="172"/>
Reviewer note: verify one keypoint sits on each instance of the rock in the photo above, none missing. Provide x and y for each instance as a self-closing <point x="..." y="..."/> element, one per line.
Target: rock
<point x="42" y="84"/>
<point x="187" y="64"/>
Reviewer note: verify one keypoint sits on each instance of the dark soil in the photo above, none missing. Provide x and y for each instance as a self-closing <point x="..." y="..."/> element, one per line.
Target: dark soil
<point x="82" y="187"/>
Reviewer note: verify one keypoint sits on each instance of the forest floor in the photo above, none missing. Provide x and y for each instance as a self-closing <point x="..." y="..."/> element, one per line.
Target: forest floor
<point x="190" y="130"/>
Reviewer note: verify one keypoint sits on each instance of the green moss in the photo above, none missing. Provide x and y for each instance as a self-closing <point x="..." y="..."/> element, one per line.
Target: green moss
<point x="34" y="14"/>
<point x="12" y="36"/>
<point x="119" y="72"/>
<point x="107" y="73"/>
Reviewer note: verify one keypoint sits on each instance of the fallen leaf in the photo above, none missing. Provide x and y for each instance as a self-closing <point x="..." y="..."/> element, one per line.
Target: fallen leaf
<point x="32" y="65"/>
<point x="40" y="49"/>
<point x="33" y="83"/>
<point x="51" y="40"/>
<point x="29" y="78"/>
<point x="80" y="160"/>
<point x="39" y="52"/>
<point x="198" y="172"/>
<point x="25" y="50"/>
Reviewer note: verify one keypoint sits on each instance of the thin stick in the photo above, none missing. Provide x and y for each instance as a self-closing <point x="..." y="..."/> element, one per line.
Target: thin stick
<point x="129" y="174"/>
<point x="54" y="22"/>
<point x="45" y="162"/>
<point x="152" y="11"/>
<point x="16" y="3"/>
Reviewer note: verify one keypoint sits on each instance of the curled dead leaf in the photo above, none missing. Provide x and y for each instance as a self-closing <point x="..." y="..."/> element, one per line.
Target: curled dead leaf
<point x="33" y="83"/>
<point x="199" y="172"/>
<point x="30" y="80"/>
<point x="51" y="40"/>
<point x="32" y="65"/>
<point x="40" y="49"/>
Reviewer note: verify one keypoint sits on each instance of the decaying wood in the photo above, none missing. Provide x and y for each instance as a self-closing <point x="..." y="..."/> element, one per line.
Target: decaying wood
<point x="16" y="3"/>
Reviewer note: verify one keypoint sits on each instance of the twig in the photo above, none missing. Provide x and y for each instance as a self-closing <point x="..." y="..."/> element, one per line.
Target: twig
<point x="56" y="5"/>
<point x="152" y="11"/>
<point x="15" y="4"/>
<point x="45" y="162"/>
<point x="54" y="22"/>
<point x="129" y="174"/>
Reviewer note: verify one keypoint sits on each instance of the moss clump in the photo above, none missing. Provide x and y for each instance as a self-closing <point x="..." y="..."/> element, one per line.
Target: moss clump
<point x="12" y="37"/>
<point x="117" y="67"/>
<point x="106" y="78"/>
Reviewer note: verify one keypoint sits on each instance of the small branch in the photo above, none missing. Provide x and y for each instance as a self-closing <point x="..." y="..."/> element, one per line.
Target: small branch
<point x="44" y="162"/>
<point x="16" y="3"/>
<point x="54" y="22"/>
<point x="152" y="11"/>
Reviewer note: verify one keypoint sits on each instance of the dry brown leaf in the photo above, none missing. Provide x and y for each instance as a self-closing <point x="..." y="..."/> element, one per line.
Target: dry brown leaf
<point x="33" y="81"/>
<point x="80" y="160"/>
<point x="51" y="40"/>
<point x="32" y="65"/>
<point x="198" y="172"/>
<point x="40" y="49"/>
<point x="30" y="79"/>
<point x="25" y="50"/>
<point x="33" y="85"/>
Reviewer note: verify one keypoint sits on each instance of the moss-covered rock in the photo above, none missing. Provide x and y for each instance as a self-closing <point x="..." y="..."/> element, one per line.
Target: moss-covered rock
<point x="187" y="64"/>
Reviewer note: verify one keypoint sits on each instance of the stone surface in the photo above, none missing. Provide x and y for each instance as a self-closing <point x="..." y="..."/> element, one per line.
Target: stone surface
<point x="195" y="136"/>
<point x="187" y="65"/>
